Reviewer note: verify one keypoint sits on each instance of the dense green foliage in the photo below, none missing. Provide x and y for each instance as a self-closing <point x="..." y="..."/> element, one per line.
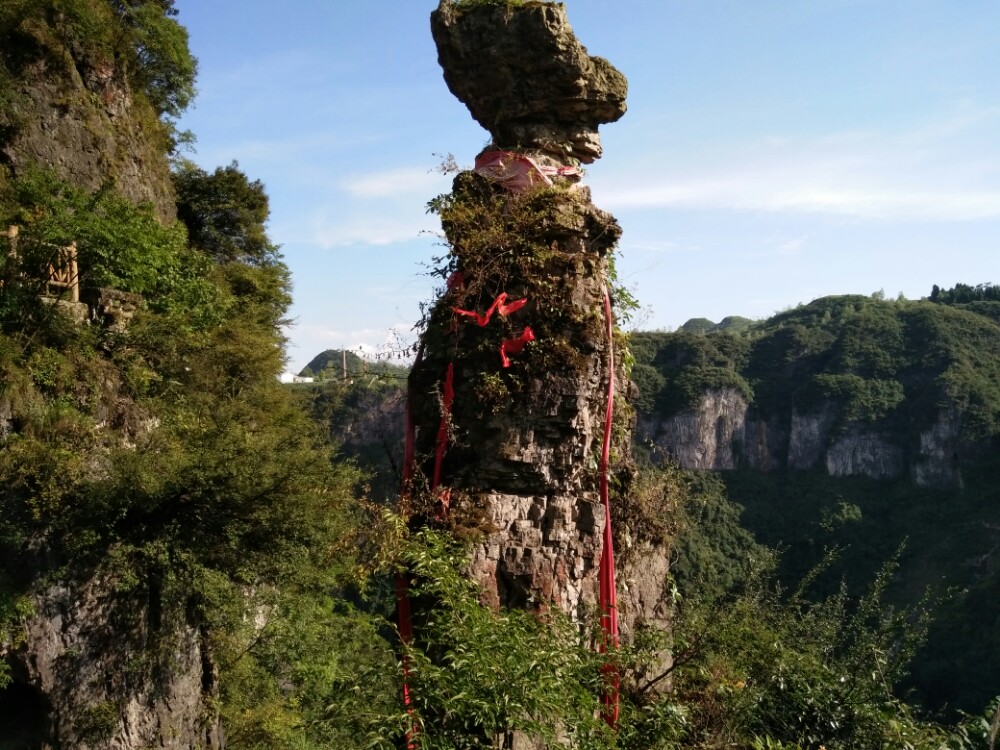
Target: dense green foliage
<point x="225" y="214"/>
<point x="163" y="458"/>
<point x="120" y="245"/>
<point x="897" y="363"/>
<point x="162" y="64"/>
<point x="364" y="416"/>
<point x="963" y="294"/>
<point x="141" y="37"/>
<point x="673" y="370"/>
<point x="947" y="535"/>
<point x="894" y="367"/>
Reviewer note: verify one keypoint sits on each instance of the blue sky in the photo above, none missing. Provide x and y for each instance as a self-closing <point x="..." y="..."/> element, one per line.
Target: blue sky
<point x="774" y="151"/>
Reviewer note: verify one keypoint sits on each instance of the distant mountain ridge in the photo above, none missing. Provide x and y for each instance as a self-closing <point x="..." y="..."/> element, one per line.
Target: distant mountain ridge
<point x="849" y="384"/>
<point x="332" y="363"/>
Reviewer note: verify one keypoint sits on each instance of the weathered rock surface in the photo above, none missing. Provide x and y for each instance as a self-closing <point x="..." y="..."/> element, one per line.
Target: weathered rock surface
<point x="528" y="459"/>
<point x="524" y="442"/>
<point x="525" y="77"/>
<point x="941" y="447"/>
<point x="90" y="672"/>
<point x="77" y="117"/>
<point x="724" y="432"/>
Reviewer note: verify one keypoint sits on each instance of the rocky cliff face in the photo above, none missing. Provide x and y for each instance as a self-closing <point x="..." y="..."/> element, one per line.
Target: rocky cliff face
<point x="90" y="667"/>
<point x="519" y="336"/>
<point x="724" y="432"/>
<point x="72" y="111"/>
<point x="93" y="670"/>
<point x="526" y="79"/>
<point x="95" y="662"/>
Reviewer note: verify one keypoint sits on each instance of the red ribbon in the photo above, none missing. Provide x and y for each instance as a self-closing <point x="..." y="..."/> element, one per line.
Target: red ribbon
<point x="499" y="306"/>
<point x="608" y="595"/>
<point x="403" y="609"/>
<point x="406" y="636"/>
<point x="513" y="346"/>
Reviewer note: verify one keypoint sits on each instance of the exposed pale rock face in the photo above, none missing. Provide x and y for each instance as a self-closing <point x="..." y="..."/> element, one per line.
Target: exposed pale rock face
<point x="84" y="671"/>
<point x="724" y="432"/>
<point x="860" y="452"/>
<point x="706" y="437"/>
<point x="941" y="448"/>
<point x="810" y="434"/>
<point x="525" y="77"/>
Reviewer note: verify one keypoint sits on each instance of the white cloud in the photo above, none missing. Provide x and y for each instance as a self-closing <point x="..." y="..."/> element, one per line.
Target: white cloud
<point x="943" y="171"/>
<point x="369" y="231"/>
<point x="396" y="182"/>
<point x="788" y="245"/>
<point x="656" y="246"/>
<point x="787" y="191"/>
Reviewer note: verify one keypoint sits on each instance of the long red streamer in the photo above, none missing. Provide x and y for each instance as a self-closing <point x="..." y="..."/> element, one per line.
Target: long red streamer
<point x="403" y="610"/>
<point x="608" y="595"/>
<point x="499" y="306"/>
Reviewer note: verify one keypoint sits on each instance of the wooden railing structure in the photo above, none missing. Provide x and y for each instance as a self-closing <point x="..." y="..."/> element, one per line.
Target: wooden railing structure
<point x="61" y="274"/>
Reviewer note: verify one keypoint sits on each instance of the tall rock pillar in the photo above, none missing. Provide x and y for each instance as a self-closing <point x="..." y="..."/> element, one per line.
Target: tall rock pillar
<point x="510" y="394"/>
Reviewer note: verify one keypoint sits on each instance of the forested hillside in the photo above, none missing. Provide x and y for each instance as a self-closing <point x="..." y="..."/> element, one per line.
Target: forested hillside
<point x="915" y="380"/>
<point x="888" y="363"/>
<point x="161" y="494"/>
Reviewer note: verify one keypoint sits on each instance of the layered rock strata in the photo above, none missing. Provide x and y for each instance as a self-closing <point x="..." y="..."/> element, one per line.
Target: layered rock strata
<point x="89" y="671"/>
<point x="725" y="432"/>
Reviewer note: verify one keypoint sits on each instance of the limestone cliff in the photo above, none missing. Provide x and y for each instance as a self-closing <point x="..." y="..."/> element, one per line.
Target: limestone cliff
<point x="724" y="432"/>
<point x="90" y="665"/>
<point x="94" y="661"/>
<point x="93" y="669"/>
<point x="70" y="107"/>
<point x="851" y="386"/>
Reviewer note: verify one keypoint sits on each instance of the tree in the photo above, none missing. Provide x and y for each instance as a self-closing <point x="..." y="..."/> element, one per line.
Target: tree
<point x="225" y="214"/>
<point x="165" y="68"/>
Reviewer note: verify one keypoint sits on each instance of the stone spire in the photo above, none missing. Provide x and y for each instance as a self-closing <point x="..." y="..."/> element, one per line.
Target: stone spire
<point x="525" y="78"/>
<point x="510" y="394"/>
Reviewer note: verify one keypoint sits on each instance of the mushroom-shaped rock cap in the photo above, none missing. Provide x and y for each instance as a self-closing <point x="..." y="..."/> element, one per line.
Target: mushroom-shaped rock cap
<point x="520" y="70"/>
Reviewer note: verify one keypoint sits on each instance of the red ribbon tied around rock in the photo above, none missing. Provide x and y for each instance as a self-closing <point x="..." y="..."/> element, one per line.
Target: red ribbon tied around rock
<point x="608" y="601"/>
<point x="502" y="308"/>
<point x="519" y="173"/>
<point x="499" y="306"/>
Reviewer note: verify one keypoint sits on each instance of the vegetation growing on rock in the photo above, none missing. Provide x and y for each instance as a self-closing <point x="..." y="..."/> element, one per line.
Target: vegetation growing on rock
<point x="897" y="363"/>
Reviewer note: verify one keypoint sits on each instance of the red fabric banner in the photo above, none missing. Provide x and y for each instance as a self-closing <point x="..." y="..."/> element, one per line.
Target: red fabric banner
<point x="404" y="614"/>
<point x="519" y="173"/>
<point x="513" y="346"/>
<point x="608" y="595"/>
<point x="499" y="306"/>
